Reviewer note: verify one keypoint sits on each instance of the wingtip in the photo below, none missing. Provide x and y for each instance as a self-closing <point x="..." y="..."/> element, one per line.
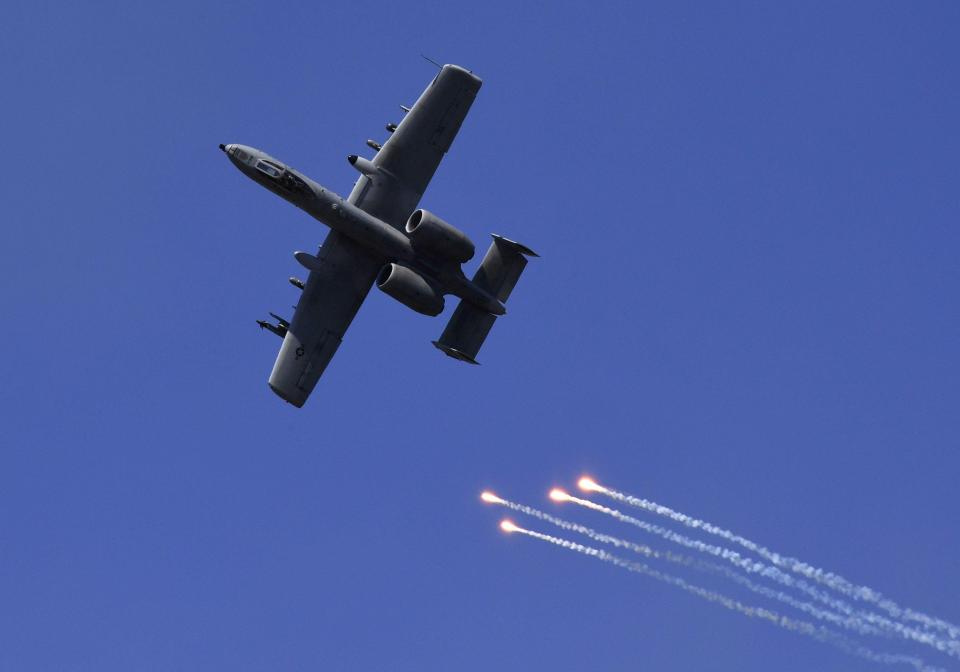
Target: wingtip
<point x="298" y="402"/>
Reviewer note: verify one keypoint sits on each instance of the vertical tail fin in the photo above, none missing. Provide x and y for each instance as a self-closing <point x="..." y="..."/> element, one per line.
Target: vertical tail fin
<point x="498" y="274"/>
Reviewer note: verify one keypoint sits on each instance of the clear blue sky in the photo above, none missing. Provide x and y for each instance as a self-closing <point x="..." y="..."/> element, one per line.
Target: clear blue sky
<point x="746" y="308"/>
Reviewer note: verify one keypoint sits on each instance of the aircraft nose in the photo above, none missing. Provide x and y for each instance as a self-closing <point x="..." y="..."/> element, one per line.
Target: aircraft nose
<point x="223" y="147"/>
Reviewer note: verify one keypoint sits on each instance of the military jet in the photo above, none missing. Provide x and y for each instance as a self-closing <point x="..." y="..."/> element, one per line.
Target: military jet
<point x="379" y="236"/>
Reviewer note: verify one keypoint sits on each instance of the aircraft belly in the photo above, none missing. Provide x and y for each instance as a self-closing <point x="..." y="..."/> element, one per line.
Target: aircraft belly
<point x="368" y="231"/>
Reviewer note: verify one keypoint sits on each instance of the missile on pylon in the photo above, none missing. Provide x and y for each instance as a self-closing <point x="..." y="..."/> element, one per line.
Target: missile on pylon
<point x="283" y="323"/>
<point x="279" y="329"/>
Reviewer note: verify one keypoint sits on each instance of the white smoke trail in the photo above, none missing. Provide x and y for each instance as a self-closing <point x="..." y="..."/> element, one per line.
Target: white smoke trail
<point x="754" y="567"/>
<point x="593" y="534"/>
<point x="834" y="581"/>
<point x="793" y="625"/>
<point x="849" y="622"/>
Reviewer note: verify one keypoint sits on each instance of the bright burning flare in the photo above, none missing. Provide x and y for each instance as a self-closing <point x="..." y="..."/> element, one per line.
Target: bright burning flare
<point x="559" y="495"/>
<point x="490" y="498"/>
<point x="590" y="485"/>
<point x="508" y="526"/>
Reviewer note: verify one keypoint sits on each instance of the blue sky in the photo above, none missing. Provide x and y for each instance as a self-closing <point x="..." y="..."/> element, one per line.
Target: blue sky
<point x="746" y="308"/>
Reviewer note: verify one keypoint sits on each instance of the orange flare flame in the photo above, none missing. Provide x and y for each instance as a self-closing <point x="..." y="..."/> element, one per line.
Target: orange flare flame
<point x="590" y="485"/>
<point x="490" y="498"/>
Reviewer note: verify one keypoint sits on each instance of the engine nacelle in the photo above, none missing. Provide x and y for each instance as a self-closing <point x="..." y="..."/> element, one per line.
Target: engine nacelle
<point x="434" y="236"/>
<point x="411" y="289"/>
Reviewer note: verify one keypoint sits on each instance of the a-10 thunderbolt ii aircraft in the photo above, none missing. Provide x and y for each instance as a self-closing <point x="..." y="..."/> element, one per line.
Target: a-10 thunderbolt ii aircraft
<point x="379" y="236"/>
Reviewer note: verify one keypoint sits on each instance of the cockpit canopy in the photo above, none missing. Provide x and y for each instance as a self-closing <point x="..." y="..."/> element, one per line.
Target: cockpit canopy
<point x="269" y="168"/>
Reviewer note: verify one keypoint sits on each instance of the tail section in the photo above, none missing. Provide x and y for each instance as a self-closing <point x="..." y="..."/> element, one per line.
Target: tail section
<point x="498" y="274"/>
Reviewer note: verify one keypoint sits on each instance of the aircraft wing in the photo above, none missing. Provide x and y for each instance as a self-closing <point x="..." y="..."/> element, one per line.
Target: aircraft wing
<point x="340" y="276"/>
<point x="415" y="149"/>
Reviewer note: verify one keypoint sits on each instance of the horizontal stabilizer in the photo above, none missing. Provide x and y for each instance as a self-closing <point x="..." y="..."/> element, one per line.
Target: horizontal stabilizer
<point x="498" y="275"/>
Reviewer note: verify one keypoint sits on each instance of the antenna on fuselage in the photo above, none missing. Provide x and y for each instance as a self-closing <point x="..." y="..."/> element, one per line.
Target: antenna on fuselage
<point x="427" y="58"/>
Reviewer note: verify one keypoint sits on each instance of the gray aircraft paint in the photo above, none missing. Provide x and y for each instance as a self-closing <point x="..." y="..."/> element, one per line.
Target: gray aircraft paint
<point x="368" y="234"/>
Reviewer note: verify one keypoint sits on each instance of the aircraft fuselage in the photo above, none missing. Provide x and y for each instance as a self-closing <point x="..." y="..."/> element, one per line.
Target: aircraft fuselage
<point x="377" y="236"/>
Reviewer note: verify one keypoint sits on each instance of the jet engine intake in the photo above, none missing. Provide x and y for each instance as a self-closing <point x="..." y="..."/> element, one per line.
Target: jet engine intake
<point x="430" y="234"/>
<point x="411" y="289"/>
